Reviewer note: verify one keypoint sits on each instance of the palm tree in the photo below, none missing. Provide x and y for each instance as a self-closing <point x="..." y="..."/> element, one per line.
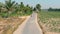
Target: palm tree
<point x="38" y="6"/>
<point x="28" y="6"/>
<point x="0" y="8"/>
<point x="21" y="5"/>
<point x="9" y="5"/>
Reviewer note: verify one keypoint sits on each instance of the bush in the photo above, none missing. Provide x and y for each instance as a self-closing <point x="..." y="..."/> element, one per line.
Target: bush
<point x="4" y="15"/>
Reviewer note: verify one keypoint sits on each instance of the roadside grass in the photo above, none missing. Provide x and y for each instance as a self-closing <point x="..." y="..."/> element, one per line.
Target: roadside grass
<point x="50" y="21"/>
<point x="12" y="24"/>
<point x="21" y="14"/>
<point x="15" y="14"/>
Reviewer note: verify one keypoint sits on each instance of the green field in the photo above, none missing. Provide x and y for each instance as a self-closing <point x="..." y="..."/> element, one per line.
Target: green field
<point x="51" y="20"/>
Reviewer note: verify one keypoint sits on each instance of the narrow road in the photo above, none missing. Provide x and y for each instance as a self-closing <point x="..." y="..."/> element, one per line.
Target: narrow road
<point x="30" y="26"/>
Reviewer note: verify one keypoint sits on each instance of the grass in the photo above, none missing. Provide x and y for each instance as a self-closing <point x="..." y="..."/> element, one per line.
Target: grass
<point x="51" y="20"/>
<point x="4" y="14"/>
<point x="21" y="14"/>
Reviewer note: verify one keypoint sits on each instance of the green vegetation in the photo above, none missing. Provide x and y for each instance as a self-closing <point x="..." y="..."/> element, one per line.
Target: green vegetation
<point x="11" y="8"/>
<point x="38" y="6"/>
<point x="51" y="20"/>
<point x="53" y="9"/>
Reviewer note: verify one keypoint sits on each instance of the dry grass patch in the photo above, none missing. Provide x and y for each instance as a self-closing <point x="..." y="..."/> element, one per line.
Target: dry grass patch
<point x="49" y="22"/>
<point x="51" y="26"/>
<point x="8" y="26"/>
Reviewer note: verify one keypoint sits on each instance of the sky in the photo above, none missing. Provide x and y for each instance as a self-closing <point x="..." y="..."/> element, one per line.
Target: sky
<point x="45" y="4"/>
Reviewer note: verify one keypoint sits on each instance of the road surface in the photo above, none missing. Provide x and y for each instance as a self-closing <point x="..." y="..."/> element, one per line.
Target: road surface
<point x="30" y="26"/>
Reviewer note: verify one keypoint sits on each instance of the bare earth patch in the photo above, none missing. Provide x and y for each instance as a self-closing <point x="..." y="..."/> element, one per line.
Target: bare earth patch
<point x="51" y="26"/>
<point x="9" y="25"/>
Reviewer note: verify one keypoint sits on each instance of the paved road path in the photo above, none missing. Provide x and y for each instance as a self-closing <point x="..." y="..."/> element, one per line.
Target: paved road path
<point x="30" y="27"/>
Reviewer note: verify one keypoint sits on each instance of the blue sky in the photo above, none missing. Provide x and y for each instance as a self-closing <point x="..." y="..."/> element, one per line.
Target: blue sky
<point x="44" y="3"/>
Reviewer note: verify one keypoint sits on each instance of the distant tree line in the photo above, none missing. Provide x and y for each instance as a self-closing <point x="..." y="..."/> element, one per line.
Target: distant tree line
<point x="55" y="9"/>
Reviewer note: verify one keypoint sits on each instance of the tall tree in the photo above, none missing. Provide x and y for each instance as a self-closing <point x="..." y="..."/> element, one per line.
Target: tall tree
<point x="38" y="6"/>
<point x="9" y="5"/>
<point x="28" y="6"/>
<point x="0" y="8"/>
<point x="21" y="5"/>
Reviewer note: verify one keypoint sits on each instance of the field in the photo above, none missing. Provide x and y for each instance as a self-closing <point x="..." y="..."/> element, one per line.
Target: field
<point x="49" y="21"/>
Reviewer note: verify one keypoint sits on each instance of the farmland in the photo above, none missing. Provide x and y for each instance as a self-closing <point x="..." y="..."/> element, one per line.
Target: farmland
<point x="49" y="21"/>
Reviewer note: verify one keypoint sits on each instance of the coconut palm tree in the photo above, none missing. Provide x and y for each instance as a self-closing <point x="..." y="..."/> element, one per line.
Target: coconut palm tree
<point x="9" y="5"/>
<point x="22" y="5"/>
<point x="0" y="8"/>
<point x="1" y="5"/>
